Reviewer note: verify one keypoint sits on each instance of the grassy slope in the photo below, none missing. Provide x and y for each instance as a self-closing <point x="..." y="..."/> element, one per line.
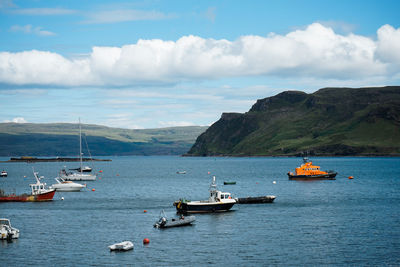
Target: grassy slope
<point x="332" y="121"/>
<point x="62" y="139"/>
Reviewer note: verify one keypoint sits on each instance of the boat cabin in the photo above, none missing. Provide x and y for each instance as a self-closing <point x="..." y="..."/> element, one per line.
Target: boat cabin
<point x="38" y="188"/>
<point x="308" y="169"/>
<point x="5" y="222"/>
<point x="218" y="196"/>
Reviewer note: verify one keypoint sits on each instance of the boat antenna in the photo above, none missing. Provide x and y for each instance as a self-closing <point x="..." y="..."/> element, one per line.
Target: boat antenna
<point x="213" y="185"/>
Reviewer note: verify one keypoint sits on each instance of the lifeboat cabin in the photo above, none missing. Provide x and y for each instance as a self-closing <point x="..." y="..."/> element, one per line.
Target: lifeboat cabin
<point x="308" y="171"/>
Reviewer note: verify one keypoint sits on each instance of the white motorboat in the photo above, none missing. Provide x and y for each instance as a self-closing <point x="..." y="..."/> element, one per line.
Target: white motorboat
<point x="80" y="175"/>
<point x="66" y="186"/>
<point x="3" y="173"/>
<point x="6" y="231"/>
<point x="123" y="246"/>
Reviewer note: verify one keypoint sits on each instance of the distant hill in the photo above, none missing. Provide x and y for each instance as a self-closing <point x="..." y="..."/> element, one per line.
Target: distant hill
<point x="331" y="121"/>
<point x="62" y="139"/>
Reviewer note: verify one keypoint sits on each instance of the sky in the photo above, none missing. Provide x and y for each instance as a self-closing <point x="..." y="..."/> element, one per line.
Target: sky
<point x="152" y="63"/>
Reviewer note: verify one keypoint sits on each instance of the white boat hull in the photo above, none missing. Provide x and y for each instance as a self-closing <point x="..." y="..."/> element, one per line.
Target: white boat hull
<point x="123" y="246"/>
<point x="62" y="188"/>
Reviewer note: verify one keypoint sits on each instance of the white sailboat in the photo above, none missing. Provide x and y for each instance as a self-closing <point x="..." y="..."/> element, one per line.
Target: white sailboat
<point x="79" y="175"/>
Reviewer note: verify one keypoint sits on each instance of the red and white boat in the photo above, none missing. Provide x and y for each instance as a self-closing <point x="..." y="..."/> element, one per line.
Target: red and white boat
<point x="39" y="192"/>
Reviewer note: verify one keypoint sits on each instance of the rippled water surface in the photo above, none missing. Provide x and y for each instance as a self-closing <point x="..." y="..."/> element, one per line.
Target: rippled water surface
<point x="341" y="222"/>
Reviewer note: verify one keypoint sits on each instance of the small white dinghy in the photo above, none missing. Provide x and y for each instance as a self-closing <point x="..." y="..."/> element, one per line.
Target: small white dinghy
<point x="123" y="246"/>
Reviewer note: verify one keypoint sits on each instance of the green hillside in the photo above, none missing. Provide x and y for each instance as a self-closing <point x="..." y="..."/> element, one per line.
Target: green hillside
<point x="62" y="139"/>
<point x="331" y="121"/>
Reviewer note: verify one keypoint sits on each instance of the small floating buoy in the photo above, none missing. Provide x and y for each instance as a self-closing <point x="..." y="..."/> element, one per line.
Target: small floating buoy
<point x="93" y="189"/>
<point x="208" y="172"/>
<point x="117" y="174"/>
<point x="274" y="182"/>
<point x="145" y="211"/>
<point x="100" y="171"/>
<point x="351" y="177"/>
<point x="62" y="198"/>
<point x="146" y="241"/>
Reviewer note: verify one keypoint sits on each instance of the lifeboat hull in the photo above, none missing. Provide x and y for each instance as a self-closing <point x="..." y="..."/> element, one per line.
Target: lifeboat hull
<point x="198" y="207"/>
<point x="48" y="196"/>
<point x="328" y="176"/>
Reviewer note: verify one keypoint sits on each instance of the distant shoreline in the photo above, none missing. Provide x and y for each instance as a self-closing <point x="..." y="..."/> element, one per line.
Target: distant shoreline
<point x="57" y="159"/>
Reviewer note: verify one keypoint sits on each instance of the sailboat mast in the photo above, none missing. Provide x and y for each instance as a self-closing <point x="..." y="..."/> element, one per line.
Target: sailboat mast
<point x="80" y="142"/>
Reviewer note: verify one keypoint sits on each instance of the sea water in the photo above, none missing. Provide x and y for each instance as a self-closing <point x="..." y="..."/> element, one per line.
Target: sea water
<point x="338" y="222"/>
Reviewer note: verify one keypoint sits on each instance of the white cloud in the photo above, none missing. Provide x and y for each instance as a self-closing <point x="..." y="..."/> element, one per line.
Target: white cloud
<point x="29" y="29"/>
<point x="388" y="45"/>
<point x="44" y="11"/>
<point x="210" y="14"/>
<point x="175" y="123"/>
<point x="315" y="52"/>
<point x="123" y="15"/>
<point x="17" y="120"/>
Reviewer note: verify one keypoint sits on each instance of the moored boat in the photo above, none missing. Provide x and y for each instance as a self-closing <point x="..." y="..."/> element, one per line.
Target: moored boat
<point x="3" y="173"/>
<point x="229" y="182"/>
<point x="255" y="200"/>
<point x="217" y="202"/>
<point x="7" y="231"/>
<point x="39" y="192"/>
<point x="79" y="175"/>
<point x="164" y="222"/>
<point x="123" y="246"/>
<point x="308" y="171"/>
<point x="66" y="186"/>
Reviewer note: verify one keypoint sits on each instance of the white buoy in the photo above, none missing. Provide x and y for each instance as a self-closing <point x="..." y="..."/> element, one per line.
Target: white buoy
<point x="274" y="182"/>
<point x="62" y="198"/>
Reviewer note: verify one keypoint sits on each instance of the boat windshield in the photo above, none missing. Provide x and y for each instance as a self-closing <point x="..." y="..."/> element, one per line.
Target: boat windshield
<point x="5" y="222"/>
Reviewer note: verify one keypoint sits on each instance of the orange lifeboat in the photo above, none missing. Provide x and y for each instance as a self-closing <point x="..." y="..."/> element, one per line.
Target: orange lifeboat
<point x="308" y="171"/>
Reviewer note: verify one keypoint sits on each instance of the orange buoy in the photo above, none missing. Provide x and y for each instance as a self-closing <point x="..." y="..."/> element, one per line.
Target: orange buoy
<point x="100" y="171"/>
<point x="146" y="241"/>
<point x="145" y="211"/>
<point x="351" y="177"/>
<point x="93" y="189"/>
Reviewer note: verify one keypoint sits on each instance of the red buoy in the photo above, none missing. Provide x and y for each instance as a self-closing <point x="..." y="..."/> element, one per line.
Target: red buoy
<point x="93" y="189"/>
<point x="145" y="211"/>
<point x="146" y="241"/>
<point x="351" y="177"/>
